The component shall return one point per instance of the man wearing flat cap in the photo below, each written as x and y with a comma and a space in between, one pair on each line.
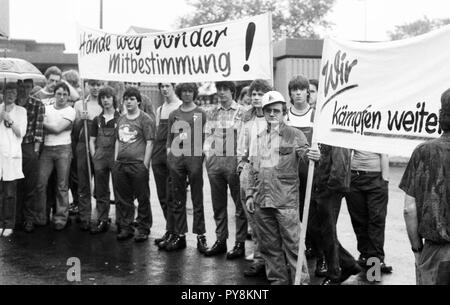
426, 184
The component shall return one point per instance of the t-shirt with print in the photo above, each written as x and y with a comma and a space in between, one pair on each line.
54, 115
133, 136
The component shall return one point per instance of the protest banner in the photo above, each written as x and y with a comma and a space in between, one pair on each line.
236, 50
382, 97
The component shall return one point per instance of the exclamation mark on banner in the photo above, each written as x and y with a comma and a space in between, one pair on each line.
249, 43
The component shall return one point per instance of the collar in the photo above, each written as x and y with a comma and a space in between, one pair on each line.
233, 106
116, 113
279, 128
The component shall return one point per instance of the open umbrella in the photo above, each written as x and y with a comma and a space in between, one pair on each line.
18, 69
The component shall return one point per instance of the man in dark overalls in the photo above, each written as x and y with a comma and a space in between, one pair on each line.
101, 144
159, 158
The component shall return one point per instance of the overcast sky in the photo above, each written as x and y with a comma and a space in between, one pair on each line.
55, 20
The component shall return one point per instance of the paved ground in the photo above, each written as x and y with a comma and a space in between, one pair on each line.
41, 257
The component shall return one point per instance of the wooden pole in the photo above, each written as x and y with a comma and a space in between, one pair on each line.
304, 223
86, 138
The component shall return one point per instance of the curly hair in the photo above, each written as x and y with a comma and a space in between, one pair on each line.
186, 87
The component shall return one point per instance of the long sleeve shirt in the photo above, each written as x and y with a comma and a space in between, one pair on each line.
35, 118
273, 179
222, 130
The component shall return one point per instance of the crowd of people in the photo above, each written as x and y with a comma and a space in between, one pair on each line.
53, 141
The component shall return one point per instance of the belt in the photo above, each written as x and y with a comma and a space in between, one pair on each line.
360, 173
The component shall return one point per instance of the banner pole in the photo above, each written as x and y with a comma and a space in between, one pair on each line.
304, 223
86, 138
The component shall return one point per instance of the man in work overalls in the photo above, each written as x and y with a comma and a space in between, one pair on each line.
273, 190
101, 144
159, 158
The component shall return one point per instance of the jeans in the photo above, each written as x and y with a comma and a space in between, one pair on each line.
25, 210
222, 173
8, 204
131, 180
59, 158
183, 167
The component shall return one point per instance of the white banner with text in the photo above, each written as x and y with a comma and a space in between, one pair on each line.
382, 97
236, 50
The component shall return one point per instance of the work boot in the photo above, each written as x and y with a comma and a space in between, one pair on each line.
178, 242
201, 244
256, 269
238, 251
219, 247
164, 243
321, 267
164, 237
141, 237
124, 235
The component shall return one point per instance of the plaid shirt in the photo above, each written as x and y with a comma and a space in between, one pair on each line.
35, 126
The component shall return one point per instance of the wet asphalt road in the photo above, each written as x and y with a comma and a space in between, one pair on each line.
41, 257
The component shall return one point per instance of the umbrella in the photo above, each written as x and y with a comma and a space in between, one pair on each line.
18, 69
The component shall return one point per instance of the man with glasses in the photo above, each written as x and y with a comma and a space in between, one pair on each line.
56, 154
272, 193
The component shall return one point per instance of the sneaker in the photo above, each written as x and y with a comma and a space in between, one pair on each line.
7, 232
177, 243
28, 227
201, 243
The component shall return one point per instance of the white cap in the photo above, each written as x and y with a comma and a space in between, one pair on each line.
272, 97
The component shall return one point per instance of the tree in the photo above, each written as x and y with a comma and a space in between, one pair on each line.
417, 27
290, 18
